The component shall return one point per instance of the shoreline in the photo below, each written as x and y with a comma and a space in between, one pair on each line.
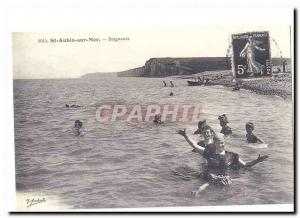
280, 85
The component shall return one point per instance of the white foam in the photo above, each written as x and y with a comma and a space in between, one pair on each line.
258, 146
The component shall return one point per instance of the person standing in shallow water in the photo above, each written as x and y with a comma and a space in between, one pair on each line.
251, 137
171, 83
226, 130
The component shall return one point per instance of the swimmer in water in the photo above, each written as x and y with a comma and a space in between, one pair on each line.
73, 106
165, 84
217, 156
208, 142
251, 138
226, 130
157, 119
171, 94
201, 125
172, 85
77, 127
218, 160
203, 131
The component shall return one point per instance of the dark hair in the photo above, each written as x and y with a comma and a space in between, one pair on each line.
78, 122
223, 118
157, 117
207, 128
250, 125
201, 124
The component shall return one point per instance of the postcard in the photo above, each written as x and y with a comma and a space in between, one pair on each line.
153, 117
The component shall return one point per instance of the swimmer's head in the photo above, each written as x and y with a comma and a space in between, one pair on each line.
223, 119
67, 105
78, 124
157, 117
201, 124
219, 142
207, 133
249, 127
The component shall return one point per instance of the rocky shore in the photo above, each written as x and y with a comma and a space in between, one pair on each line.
280, 84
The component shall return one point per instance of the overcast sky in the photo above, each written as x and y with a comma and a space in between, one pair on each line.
33, 59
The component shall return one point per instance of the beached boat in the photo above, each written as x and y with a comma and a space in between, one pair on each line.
194, 83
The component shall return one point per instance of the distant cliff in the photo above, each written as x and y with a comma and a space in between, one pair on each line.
161, 67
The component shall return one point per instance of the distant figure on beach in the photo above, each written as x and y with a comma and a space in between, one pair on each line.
206, 82
73, 106
172, 85
251, 138
236, 87
248, 52
77, 129
165, 84
278, 70
199, 79
171, 94
226, 130
157, 119
283, 66
218, 160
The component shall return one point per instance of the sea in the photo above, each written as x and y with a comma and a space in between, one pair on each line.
136, 165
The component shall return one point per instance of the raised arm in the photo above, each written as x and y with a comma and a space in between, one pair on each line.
254, 162
199, 148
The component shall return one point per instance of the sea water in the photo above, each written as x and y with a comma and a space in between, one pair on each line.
120, 164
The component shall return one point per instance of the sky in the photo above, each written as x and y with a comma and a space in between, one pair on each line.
36, 60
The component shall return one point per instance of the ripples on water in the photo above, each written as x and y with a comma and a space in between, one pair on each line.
130, 165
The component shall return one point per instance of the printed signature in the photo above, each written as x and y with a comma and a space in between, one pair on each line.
34, 201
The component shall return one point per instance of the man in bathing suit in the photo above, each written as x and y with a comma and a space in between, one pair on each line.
226, 130
251, 138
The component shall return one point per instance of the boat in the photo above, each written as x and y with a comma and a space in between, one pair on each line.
194, 83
